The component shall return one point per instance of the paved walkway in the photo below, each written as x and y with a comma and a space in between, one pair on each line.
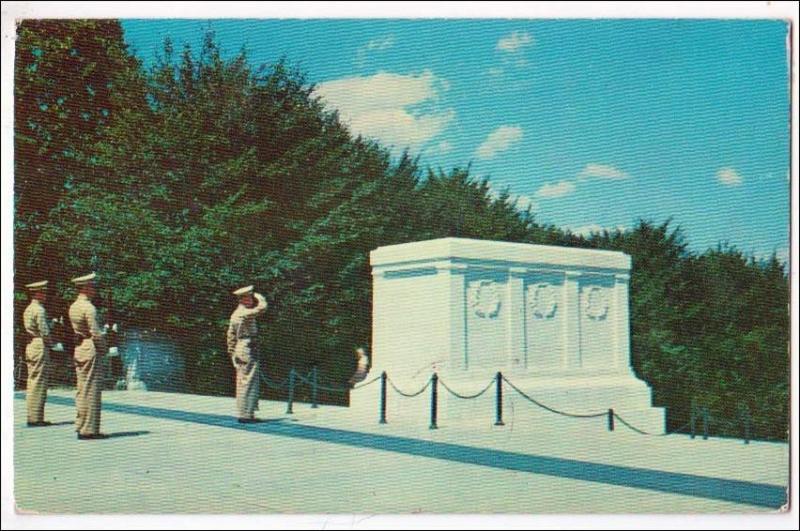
186, 453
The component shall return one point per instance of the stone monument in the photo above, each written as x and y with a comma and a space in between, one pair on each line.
554, 320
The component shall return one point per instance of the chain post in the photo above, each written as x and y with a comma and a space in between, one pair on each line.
499, 400
746, 419
290, 398
383, 398
314, 404
434, 399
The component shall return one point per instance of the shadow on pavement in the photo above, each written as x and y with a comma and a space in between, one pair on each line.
729, 490
61, 423
127, 434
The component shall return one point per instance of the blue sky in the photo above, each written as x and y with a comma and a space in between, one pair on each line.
595, 123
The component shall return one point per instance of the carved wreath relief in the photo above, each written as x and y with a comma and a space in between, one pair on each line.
543, 301
484, 298
596, 303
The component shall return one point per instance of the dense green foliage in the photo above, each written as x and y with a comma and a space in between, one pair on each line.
184, 181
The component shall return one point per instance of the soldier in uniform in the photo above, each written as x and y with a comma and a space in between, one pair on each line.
242, 335
90, 347
37, 353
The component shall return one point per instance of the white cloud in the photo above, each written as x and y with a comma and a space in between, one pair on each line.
590, 171
442, 148
515, 42
559, 189
382, 43
593, 228
525, 201
601, 171
729, 177
375, 45
379, 106
499, 140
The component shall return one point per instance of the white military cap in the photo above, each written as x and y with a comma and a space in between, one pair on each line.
243, 291
37, 286
85, 279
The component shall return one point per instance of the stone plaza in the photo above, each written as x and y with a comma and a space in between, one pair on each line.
181, 453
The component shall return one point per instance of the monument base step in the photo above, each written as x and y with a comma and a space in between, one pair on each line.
549, 401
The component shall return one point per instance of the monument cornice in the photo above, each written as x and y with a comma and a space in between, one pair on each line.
486, 253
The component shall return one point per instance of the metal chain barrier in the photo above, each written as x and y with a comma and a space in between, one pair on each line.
635, 429
331, 389
311, 380
266, 380
552, 410
678, 430
410, 395
466, 397
302, 378
314, 384
642, 432
364, 384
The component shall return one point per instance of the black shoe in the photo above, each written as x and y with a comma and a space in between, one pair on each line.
92, 436
40, 424
249, 421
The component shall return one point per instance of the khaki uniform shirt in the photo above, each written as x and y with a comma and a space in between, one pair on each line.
35, 321
243, 323
83, 316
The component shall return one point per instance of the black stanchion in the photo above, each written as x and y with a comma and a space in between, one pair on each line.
610, 420
693, 420
746, 419
434, 398
383, 398
290, 398
314, 404
705, 423
499, 401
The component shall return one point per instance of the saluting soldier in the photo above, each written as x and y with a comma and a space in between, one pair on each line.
90, 347
242, 337
37, 353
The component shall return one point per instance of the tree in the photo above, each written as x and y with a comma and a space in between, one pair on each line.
66, 73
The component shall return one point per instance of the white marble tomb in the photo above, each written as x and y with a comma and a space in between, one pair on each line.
554, 320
